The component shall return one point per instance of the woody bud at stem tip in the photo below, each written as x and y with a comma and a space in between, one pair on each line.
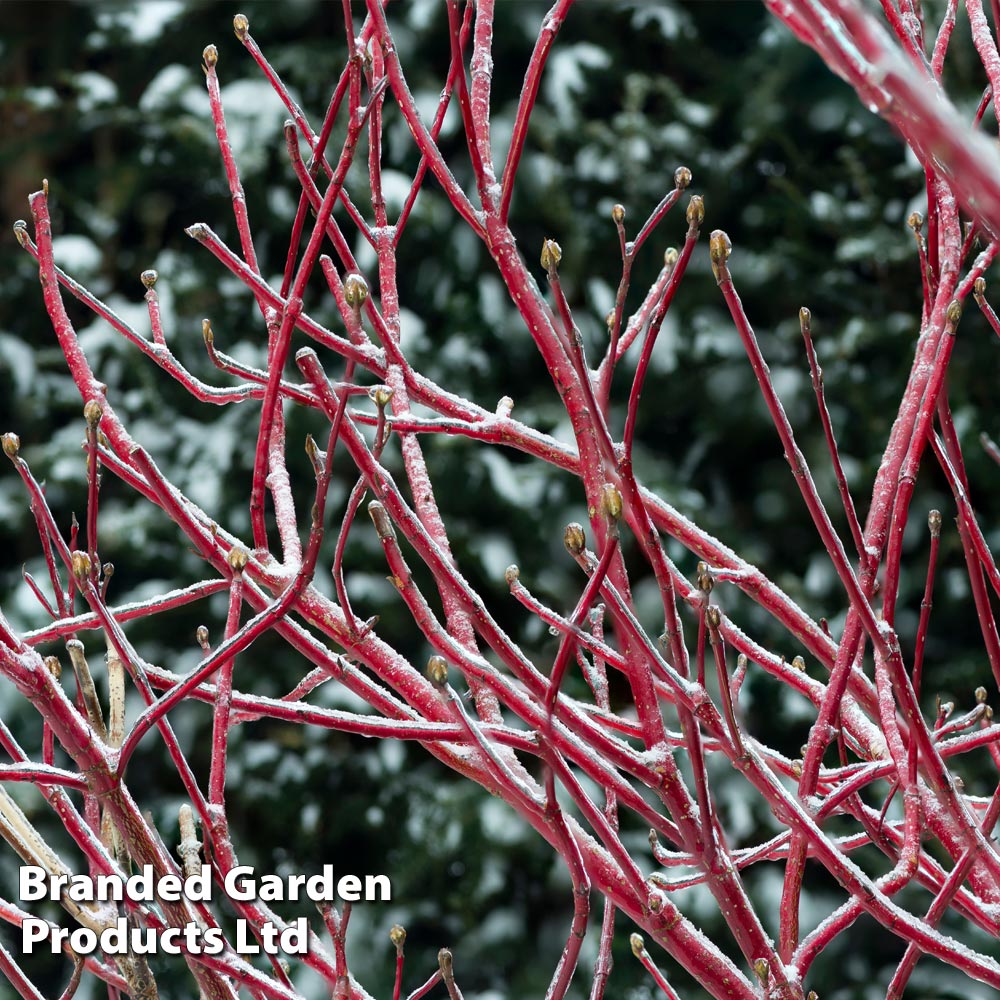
437, 670
92, 413
80, 563
574, 538
397, 935
241, 25
719, 249
696, 211
355, 291
611, 502
11, 444
383, 526
551, 255
238, 558
380, 395
682, 178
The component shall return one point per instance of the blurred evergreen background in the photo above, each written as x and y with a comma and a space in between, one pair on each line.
107, 101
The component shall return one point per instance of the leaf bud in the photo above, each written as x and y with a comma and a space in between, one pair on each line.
638, 944
446, 965
207, 333
241, 25
609, 321
618, 214
80, 564
813, 995
551, 255
981, 695
611, 502
954, 312
719, 249
574, 538
210, 55
108, 569
798, 663
512, 574
713, 615
915, 221
704, 578
934, 522
383, 525
148, 277
805, 320
945, 709
380, 395
11, 444
355, 291
670, 256
397, 935
53, 666
797, 768
92, 413
316, 456
696, 211
762, 970
201, 636
238, 558
21, 231
682, 178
